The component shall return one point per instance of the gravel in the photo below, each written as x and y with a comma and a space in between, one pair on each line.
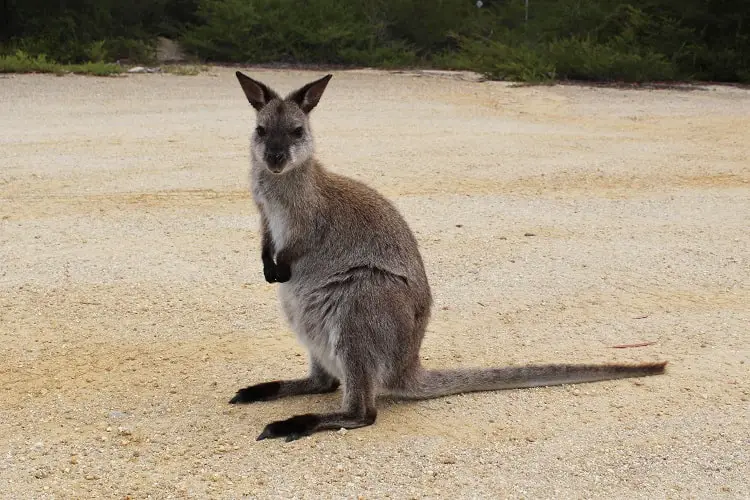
132, 303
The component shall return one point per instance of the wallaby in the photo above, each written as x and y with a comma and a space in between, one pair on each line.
352, 282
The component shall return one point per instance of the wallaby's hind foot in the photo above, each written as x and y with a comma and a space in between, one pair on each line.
268, 391
319, 382
304, 425
358, 408
265, 391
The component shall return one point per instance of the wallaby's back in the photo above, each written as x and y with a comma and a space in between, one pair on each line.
375, 232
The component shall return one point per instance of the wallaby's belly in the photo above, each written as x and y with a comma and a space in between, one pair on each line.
317, 330
369, 313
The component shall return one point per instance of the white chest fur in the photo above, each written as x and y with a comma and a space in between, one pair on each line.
276, 216
277, 219
277, 224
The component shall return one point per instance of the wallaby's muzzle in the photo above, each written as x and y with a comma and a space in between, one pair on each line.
275, 160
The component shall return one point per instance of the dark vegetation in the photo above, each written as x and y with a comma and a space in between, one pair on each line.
598, 40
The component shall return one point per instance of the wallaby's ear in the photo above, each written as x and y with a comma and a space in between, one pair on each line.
308, 96
256, 92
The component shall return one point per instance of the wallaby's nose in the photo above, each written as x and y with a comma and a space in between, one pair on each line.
275, 158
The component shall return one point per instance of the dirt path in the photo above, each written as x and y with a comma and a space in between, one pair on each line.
132, 303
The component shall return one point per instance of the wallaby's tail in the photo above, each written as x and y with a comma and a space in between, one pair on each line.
435, 383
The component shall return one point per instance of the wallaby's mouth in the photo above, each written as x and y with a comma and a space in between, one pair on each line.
276, 169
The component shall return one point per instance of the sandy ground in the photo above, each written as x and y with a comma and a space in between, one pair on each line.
555, 222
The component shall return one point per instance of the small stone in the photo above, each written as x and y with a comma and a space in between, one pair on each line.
343, 431
74, 460
576, 392
42, 472
38, 445
124, 431
530, 439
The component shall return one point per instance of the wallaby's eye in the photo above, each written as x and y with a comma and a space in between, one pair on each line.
298, 132
260, 131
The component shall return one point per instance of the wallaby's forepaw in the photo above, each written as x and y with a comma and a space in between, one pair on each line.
277, 273
283, 272
291, 428
258, 392
269, 272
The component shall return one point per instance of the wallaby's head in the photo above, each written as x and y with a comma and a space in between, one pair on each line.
282, 139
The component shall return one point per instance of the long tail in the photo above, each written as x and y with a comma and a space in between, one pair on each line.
435, 383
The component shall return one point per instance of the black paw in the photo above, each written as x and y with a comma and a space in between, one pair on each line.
283, 272
277, 273
291, 428
259, 392
269, 272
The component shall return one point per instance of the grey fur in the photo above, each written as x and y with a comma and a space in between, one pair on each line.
352, 281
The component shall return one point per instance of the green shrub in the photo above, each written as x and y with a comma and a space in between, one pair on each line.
259, 31
581, 39
135, 51
392, 55
21, 62
582, 59
92, 68
499, 61
431, 26
97, 51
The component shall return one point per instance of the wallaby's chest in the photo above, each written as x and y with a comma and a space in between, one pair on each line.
277, 216
278, 224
